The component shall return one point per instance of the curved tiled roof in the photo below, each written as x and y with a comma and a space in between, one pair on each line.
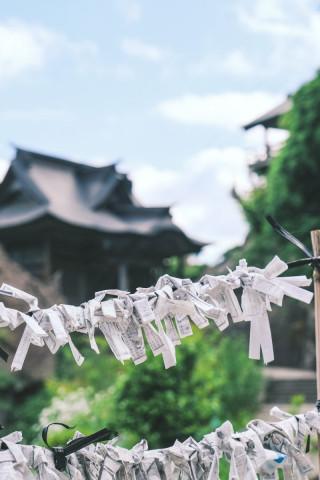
96, 198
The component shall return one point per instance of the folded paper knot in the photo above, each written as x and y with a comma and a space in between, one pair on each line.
261, 449
161, 315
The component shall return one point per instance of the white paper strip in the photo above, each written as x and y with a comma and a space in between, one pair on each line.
122, 317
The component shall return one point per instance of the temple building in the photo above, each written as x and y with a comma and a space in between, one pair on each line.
258, 162
84, 223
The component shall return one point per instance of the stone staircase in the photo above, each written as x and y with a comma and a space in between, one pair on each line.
283, 383
281, 391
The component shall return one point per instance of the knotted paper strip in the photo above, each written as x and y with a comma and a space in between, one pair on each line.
262, 448
163, 314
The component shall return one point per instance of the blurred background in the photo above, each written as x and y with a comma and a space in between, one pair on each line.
139, 138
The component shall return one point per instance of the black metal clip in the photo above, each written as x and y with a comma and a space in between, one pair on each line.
4, 355
311, 260
60, 453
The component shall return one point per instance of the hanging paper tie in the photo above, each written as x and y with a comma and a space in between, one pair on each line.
164, 313
262, 448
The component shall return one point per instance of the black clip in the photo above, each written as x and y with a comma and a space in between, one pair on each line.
308, 444
60, 453
311, 260
4, 355
308, 437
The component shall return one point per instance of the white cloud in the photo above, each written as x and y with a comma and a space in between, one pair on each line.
123, 72
25, 46
293, 18
200, 195
235, 62
293, 27
255, 137
4, 166
226, 110
130, 10
21, 47
40, 114
145, 51
289, 54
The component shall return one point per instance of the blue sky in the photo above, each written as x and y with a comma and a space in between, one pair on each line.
163, 86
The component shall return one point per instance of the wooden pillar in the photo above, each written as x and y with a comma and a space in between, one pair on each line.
82, 285
47, 265
180, 269
315, 238
123, 278
266, 143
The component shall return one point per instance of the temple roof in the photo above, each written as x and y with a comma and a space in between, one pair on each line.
95, 198
271, 118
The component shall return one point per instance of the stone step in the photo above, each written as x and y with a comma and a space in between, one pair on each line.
281, 391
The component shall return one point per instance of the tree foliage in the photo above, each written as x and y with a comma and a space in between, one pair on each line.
291, 193
213, 381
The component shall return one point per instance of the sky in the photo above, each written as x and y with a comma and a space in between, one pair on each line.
161, 87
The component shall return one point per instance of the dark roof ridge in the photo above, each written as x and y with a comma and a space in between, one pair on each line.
23, 156
139, 209
26, 183
271, 115
105, 192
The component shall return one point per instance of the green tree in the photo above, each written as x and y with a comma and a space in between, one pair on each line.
213, 381
291, 193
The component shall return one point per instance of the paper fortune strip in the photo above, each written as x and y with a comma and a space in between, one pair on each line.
262, 448
163, 314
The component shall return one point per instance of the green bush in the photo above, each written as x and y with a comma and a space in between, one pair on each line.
213, 381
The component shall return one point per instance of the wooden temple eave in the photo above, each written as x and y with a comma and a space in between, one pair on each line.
48, 245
